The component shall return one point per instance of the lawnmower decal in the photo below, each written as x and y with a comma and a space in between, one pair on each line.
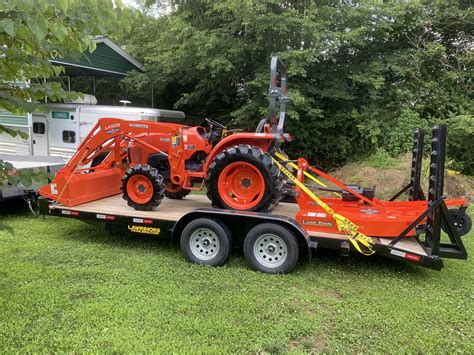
144, 230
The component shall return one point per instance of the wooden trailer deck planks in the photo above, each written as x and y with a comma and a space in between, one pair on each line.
168, 210
173, 210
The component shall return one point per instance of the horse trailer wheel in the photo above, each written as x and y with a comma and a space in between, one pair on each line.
206, 241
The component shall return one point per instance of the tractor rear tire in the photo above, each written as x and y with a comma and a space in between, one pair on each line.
244, 178
175, 192
143, 187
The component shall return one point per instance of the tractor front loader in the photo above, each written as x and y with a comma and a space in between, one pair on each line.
147, 160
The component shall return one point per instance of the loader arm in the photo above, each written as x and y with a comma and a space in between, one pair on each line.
78, 182
110, 134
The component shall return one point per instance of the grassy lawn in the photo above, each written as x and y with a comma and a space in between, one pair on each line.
69, 286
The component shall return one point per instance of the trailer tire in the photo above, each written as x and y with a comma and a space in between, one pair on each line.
463, 226
206, 241
271, 248
143, 187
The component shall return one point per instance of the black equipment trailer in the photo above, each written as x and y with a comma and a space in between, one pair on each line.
272, 242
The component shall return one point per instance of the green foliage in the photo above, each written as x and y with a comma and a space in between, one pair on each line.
33, 33
23, 177
461, 143
66, 286
381, 159
362, 75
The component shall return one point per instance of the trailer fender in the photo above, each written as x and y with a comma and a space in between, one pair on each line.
241, 218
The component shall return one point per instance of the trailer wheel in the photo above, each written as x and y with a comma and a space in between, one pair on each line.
206, 241
463, 226
271, 248
143, 187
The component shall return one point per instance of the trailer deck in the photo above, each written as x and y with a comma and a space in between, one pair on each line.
112, 208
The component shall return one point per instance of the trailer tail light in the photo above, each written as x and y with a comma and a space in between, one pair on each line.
106, 217
143, 221
412, 257
69, 213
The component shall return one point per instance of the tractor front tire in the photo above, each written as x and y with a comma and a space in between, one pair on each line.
143, 187
244, 178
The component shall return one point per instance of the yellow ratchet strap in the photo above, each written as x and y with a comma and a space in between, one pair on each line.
308, 175
343, 224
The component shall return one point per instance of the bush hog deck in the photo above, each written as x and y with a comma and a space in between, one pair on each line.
246, 175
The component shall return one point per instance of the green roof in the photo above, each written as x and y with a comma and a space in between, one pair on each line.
107, 60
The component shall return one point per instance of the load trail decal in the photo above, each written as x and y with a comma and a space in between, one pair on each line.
318, 223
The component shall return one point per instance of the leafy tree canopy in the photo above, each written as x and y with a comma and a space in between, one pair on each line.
31, 34
34, 32
363, 75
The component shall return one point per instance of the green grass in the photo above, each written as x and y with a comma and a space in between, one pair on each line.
69, 286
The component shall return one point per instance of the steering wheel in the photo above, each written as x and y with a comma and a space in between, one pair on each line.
215, 123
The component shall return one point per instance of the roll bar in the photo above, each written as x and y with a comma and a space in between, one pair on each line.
277, 71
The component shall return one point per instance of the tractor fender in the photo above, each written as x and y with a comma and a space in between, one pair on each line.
240, 222
261, 140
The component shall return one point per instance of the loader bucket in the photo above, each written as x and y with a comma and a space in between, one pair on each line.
82, 188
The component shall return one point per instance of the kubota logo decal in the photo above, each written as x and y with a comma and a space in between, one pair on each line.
138, 125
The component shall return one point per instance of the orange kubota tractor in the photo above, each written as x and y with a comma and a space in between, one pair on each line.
147, 160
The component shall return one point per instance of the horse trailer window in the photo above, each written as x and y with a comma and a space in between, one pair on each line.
69, 137
39, 127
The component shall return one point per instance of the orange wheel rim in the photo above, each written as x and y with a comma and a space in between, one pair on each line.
140, 189
241, 185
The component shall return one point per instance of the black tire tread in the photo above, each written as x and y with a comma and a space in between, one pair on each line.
155, 178
184, 243
252, 154
177, 195
282, 231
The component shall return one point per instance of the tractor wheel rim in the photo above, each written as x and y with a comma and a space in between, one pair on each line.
140, 189
270, 250
204, 244
241, 185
